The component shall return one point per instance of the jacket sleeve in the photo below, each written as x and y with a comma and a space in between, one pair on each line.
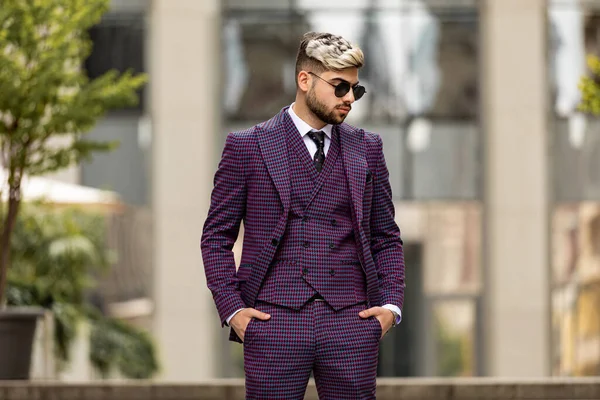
221, 228
386, 244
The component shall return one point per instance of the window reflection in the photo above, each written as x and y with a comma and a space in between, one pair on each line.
118, 43
442, 296
576, 289
420, 60
421, 76
574, 31
453, 323
453, 234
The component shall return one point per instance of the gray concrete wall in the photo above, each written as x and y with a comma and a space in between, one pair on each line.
405, 389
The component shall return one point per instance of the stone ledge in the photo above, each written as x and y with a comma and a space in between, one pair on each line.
387, 389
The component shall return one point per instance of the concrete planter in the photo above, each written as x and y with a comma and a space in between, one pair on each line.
17, 330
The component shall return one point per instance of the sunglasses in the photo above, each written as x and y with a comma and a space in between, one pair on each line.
342, 88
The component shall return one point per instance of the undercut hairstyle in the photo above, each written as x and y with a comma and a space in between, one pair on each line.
319, 52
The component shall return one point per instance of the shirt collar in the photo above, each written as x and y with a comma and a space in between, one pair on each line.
304, 128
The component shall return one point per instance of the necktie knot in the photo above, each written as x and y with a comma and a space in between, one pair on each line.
318, 138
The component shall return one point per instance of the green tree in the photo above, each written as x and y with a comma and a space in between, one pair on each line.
590, 87
45, 94
56, 253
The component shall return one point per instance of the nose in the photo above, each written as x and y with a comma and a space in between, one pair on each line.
349, 97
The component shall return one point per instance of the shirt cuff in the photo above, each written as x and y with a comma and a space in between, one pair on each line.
395, 309
232, 315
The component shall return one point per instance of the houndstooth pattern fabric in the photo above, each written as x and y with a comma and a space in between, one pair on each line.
340, 347
318, 252
252, 184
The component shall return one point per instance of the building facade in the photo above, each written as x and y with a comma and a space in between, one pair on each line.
496, 175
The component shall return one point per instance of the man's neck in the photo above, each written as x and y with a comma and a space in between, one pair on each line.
306, 115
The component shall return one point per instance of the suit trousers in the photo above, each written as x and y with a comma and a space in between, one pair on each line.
339, 348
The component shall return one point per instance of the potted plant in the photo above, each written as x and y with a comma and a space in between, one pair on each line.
47, 105
57, 254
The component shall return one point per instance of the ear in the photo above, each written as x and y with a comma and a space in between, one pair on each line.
303, 81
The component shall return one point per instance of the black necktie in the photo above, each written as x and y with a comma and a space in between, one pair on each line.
319, 139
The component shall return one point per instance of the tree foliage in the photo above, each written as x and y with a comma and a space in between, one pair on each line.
57, 257
47, 102
590, 87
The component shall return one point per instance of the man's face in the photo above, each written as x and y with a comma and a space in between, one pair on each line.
321, 99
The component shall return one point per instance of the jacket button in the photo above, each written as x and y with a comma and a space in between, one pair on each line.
331, 245
331, 272
304, 219
333, 222
274, 242
306, 245
304, 271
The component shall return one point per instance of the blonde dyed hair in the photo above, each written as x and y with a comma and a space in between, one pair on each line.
320, 51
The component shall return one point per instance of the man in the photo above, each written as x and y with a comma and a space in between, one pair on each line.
321, 278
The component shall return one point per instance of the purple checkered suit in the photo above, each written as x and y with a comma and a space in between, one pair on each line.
331, 233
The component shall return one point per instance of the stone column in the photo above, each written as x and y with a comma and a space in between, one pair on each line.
184, 84
516, 261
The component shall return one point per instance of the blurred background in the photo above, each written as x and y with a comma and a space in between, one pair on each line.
495, 174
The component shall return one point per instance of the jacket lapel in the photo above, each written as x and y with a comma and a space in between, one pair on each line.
355, 164
271, 137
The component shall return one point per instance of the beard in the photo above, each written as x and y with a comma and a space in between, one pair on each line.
321, 111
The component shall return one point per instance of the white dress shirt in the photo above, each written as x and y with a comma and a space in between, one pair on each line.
304, 129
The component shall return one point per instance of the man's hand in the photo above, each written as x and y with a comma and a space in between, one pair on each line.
383, 315
240, 321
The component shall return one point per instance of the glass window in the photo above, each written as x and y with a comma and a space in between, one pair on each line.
442, 253
421, 74
574, 29
118, 43
453, 326
126, 169
243, 5
453, 253
576, 150
576, 289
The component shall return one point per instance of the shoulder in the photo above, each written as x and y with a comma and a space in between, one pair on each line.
249, 135
244, 135
243, 140
371, 139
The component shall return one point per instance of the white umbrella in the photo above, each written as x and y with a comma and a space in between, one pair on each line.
60, 193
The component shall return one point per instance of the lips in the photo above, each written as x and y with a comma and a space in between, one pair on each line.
344, 109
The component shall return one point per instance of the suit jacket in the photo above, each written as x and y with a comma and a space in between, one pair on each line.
252, 185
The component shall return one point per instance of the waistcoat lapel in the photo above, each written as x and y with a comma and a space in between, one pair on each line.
328, 166
298, 148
